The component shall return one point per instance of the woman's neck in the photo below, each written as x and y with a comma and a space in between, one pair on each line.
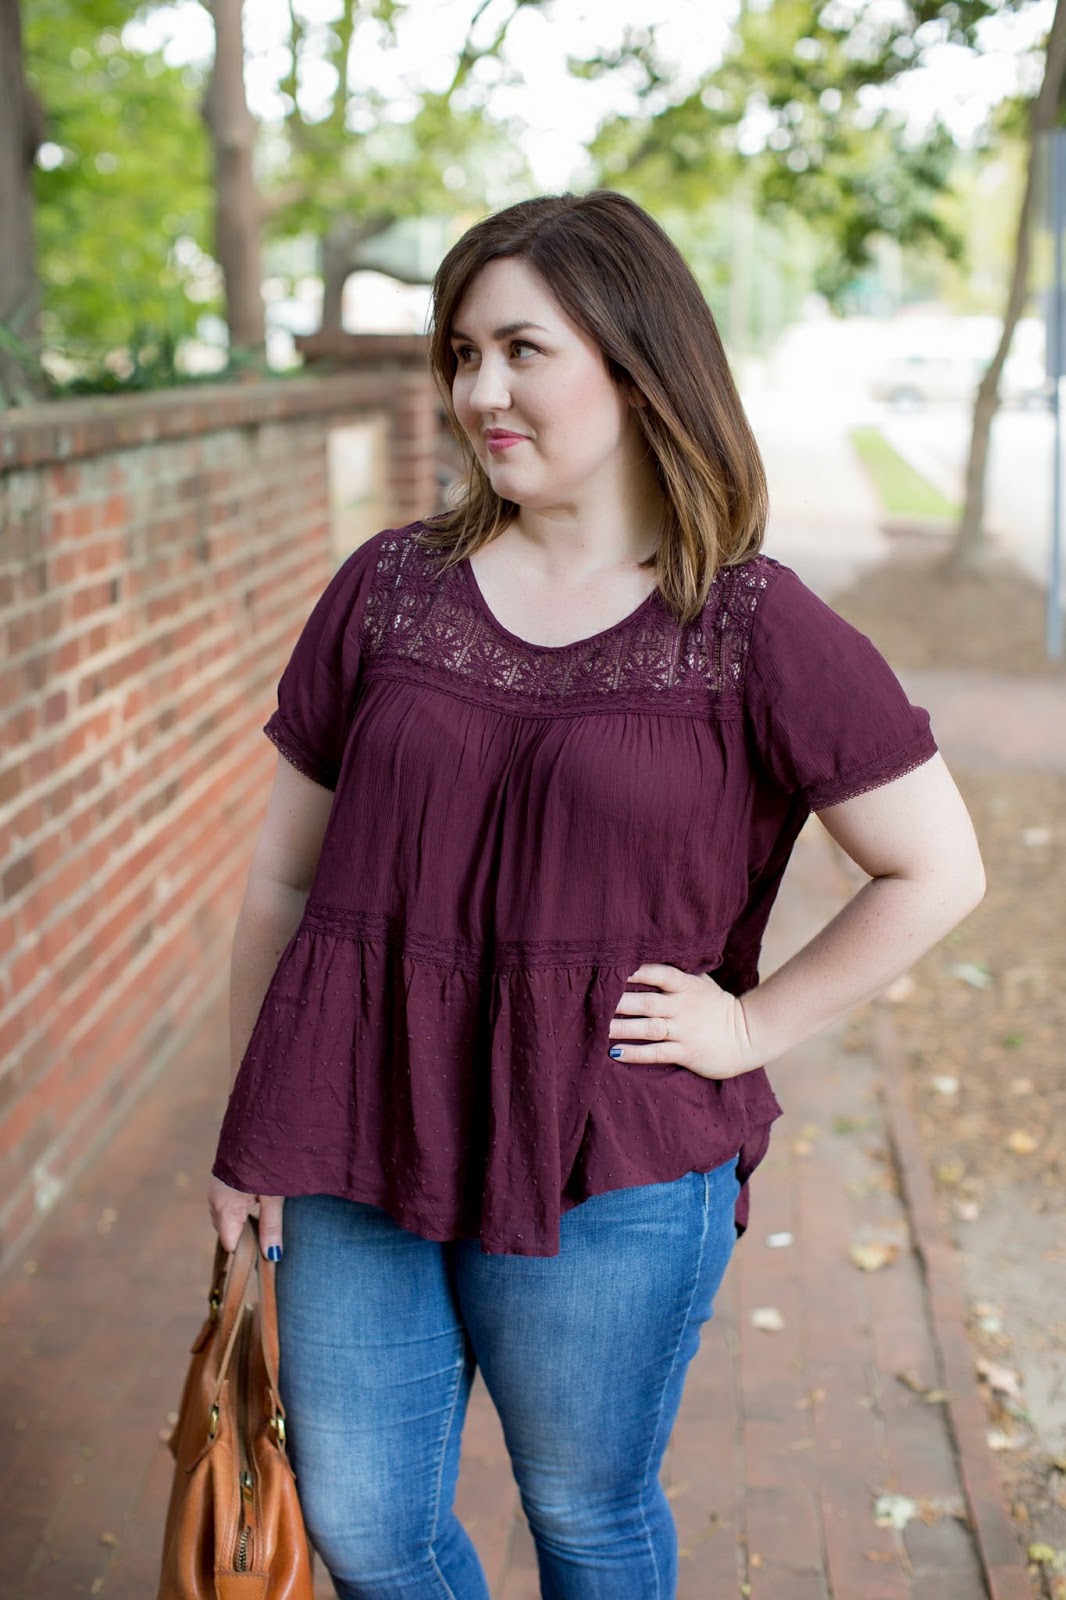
576, 541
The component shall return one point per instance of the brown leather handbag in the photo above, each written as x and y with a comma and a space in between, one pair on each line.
234, 1530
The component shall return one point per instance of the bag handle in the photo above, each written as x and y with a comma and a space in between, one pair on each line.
268, 1322
247, 1259
230, 1283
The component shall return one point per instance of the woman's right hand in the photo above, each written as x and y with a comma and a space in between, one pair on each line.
230, 1209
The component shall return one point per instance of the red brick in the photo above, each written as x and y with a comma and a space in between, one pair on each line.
17, 876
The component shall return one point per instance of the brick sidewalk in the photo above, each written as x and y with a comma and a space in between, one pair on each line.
784, 1440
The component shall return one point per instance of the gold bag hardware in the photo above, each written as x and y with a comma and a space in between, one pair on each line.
234, 1530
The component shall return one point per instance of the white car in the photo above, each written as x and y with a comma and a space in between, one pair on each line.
918, 378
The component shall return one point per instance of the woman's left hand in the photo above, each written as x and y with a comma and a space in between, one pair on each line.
690, 1022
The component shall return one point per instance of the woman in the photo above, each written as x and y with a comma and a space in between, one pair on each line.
544, 760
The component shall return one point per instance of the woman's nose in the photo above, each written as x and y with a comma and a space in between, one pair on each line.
490, 391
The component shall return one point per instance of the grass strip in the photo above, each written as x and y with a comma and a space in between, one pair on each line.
902, 490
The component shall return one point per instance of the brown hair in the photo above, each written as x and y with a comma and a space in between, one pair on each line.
619, 277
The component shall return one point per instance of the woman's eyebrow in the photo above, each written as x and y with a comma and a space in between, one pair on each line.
508, 331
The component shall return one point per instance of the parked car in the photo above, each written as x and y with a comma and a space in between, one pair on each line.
917, 379
940, 361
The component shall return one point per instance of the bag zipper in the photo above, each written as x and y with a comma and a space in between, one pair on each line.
244, 1552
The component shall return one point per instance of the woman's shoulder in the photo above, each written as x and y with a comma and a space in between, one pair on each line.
772, 595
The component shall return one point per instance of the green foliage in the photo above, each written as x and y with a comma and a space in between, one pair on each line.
373, 162
788, 115
151, 362
123, 220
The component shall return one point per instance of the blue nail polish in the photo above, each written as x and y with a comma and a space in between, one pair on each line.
274, 1252
615, 1051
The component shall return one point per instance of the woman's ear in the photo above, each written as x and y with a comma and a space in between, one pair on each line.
635, 396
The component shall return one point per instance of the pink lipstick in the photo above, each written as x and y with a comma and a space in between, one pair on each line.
498, 439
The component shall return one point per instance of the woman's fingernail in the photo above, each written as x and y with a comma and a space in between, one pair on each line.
615, 1051
274, 1252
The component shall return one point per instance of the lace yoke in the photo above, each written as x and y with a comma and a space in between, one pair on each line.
421, 615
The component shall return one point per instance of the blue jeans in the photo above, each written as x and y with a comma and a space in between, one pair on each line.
584, 1355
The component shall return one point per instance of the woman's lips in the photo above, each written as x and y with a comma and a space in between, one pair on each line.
498, 440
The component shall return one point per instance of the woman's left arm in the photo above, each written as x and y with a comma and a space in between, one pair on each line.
915, 839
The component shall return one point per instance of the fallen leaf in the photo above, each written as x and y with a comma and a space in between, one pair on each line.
967, 1210
933, 1508
768, 1319
931, 1396
945, 1084
894, 1511
879, 1555
110, 1539
1042, 1554
950, 1173
989, 1317
1001, 1380
755, 1561
872, 1257
1033, 838
998, 1440
969, 972
1021, 1143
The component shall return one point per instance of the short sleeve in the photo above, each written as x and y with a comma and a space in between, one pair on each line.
316, 694
827, 715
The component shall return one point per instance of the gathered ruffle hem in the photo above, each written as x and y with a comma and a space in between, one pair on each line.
466, 1103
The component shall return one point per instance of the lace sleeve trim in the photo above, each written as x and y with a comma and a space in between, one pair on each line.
875, 776
297, 754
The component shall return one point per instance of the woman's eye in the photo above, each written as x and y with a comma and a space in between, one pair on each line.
464, 354
521, 348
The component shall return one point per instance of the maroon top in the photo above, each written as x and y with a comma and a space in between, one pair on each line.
516, 828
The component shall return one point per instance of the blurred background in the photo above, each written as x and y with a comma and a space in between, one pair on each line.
194, 188
218, 225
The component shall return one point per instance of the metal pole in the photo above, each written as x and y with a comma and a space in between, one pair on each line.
1053, 618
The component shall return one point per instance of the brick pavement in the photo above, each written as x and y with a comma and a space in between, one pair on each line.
784, 1439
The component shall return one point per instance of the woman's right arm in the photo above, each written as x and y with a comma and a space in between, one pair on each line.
283, 865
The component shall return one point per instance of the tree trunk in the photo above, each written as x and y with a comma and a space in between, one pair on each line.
336, 259
20, 134
969, 546
238, 212
340, 254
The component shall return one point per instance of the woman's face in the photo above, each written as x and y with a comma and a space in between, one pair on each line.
546, 420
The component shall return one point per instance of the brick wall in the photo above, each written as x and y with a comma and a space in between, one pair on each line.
158, 556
